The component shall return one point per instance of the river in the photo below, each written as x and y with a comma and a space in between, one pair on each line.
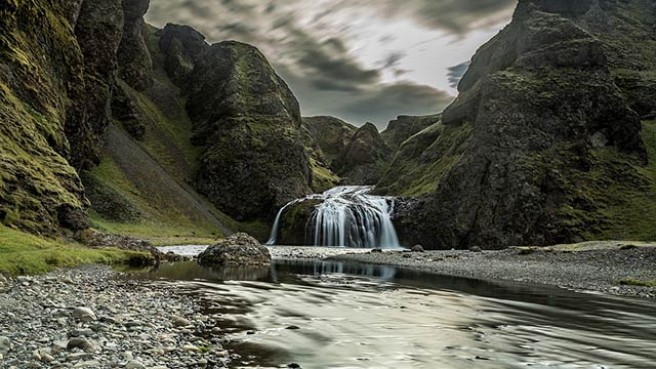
335, 315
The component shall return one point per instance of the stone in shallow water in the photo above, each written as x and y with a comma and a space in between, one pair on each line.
238, 249
417, 248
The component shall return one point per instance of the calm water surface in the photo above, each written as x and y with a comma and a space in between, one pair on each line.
357, 316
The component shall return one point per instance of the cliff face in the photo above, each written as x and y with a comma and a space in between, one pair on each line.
245, 118
45, 131
78, 78
542, 146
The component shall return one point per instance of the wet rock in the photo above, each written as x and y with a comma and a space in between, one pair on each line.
293, 365
475, 249
293, 327
238, 249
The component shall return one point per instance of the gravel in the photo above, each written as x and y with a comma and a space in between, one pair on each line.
90, 317
590, 270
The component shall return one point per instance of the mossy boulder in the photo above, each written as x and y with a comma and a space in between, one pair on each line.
540, 147
295, 220
239, 249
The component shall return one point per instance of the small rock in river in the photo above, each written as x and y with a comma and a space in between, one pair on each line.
407, 256
293, 327
293, 365
475, 249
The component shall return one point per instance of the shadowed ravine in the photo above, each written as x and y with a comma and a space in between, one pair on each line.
355, 316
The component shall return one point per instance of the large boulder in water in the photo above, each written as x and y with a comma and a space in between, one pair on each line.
238, 249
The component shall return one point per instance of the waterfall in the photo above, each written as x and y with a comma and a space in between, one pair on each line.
346, 216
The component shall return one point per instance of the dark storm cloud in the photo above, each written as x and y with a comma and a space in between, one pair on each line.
378, 105
456, 72
460, 15
384, 104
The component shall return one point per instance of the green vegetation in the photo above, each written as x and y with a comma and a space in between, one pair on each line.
630, 205
155, 220
425, 158
24, 253
637, 283
322, 178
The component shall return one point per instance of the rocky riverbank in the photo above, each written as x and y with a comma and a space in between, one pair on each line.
607, 267
91, 317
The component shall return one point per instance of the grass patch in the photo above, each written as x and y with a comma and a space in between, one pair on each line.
22, 253
637, 283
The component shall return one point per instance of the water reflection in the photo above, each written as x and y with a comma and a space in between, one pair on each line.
361, 316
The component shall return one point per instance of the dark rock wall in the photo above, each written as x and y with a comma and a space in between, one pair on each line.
530, 151
246, 119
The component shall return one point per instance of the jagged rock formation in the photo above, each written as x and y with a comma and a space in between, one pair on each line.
363, 160
355, 155
247, 120
541, 146
405, 127
72, 71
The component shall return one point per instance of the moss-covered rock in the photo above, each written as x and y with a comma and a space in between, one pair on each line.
540, 147
135, 64
364, 159
43, 131
294, 223
245, 118
405, 127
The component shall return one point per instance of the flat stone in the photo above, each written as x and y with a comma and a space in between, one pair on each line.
135, 365
180, 322
84, 314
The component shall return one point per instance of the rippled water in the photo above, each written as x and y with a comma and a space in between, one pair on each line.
355, 316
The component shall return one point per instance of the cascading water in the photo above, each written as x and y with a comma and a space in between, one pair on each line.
346, 216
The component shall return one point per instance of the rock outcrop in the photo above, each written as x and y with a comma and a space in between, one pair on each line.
237, 250
364, 159
136, 65
44, 133
246, 119
541, 146
405, 127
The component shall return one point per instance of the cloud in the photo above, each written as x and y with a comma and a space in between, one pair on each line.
318, 47
457, 72
378, 104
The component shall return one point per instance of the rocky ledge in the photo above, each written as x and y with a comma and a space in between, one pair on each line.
93, 318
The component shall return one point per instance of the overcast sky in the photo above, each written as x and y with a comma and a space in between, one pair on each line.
359, 60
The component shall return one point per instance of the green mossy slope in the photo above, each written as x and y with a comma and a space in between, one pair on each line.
23, 253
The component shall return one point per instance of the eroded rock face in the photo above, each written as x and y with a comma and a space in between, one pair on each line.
247, 120
239, 249
363, 160
520, 156
136, 66
331, 135
404, 127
